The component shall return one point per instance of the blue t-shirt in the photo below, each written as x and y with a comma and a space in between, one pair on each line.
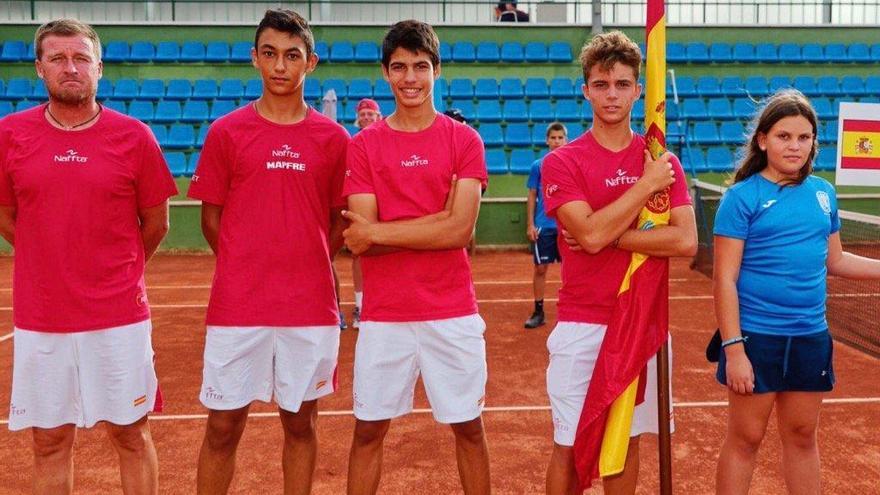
542, 221
781, 282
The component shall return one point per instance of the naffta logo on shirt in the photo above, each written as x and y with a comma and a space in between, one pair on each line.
71, 156
285, 152
414, 161
620, 179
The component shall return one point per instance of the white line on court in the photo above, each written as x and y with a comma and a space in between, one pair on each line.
683, 405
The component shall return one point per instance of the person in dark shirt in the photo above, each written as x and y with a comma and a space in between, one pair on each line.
507, 12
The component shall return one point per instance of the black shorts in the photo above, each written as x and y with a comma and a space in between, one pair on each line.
787, 364
545, 250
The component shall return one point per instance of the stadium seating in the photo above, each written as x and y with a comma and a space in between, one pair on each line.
698, 53
561, 87
219, 109
496, 161
719, 109
517, 136
487, 52
366, 52
536, 88
141, 110
192, 162
205, 89
676, 53
568, 111
835, 53
142, 52
125, 89
510, 88
192, 51
766, 53
322, 50
515, 111
152, 89
705, 133
790, 53
559, 52
463, 51
813, 53
485, 88
541, 111
492, 135
231, 89
167, 52
217, 52
240, 52
195, 111
488, 111
512, 52
360, 88
13, 51
167, 112
176, 163
521, 161
341, 52
535, 52
39, 92
721, 53
115, 51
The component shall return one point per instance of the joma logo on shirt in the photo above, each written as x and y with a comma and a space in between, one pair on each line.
71, 157
413, 161
620, 179
285, 152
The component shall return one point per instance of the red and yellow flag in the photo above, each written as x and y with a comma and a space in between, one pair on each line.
639, 325
860, 146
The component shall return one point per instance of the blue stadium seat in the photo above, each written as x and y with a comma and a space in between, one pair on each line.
220, 108
311, 89
337, 85
167, 112
698, 53
203, 133
562, 88
721, 53
13, 51
779, 82
512, 51
806, 85
536, 88
152, 89
217, 52
125, 89
732, 133
859, 53
790, 53
116, 51
719, 109
463, 51
836, 53
638, 110
744, 53
105, 89
360, 88
466, 106
241, 52
487, 52
492, 135
756, 86
382, 90
574, 131
705, 133
167, 52
160, 132
195, 111
29, 55
676, 53
535, 52
489, 111
541, 111
176, 161
872, 85
827, 86
117, 105
253, 89
719, 159
485, 88
141, 110
230, 89
559, 52
824, 108
322, 50
694, 109
366, 51
732, 86
445, 52
568, 111
693, 160
441, 88
709, 86
515, 111
205, 89
521, 161
142, 52
766, 53
496, 161
852, 86
685, 85
826, 161
341, 52
813, 53
539, 136
192, 162
24, 105
587, 111
6, 108
672, 110
461, 88
675, 134
352, 129
518, 135
743, 108
39, 92
192, 51
387, 107
181, 136
829, 132
510, 88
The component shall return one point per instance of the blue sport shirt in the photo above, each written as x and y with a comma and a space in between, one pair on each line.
542, 221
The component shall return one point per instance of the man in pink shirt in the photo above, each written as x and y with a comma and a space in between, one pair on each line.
595, 187
270, 181
413, 185
84, 199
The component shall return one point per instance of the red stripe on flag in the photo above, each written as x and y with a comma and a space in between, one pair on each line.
860, 163
655, 13
861, 125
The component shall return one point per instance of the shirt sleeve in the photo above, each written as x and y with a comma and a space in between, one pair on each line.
678, 193
7, 192
534, 181
560, 185
358, 179
471, 159
155, 184
337, 180
213, 174
733, 217
835, 216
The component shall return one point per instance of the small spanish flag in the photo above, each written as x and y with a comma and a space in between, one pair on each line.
860, 145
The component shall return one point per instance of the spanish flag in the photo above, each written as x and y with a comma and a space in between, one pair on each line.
860, 146
639, 324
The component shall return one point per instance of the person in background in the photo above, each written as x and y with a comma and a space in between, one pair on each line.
507, 12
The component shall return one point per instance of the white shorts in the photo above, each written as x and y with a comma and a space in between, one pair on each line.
82, 378
450, 354
244, 364
574, 349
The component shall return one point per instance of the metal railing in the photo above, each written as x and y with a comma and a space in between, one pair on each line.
459, 12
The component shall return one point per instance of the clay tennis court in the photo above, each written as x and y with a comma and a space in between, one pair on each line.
419, 456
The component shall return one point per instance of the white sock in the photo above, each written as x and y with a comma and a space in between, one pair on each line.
358, 299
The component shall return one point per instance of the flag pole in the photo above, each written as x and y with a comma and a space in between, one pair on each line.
664, 437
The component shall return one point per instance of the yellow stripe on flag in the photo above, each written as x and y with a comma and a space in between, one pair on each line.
857, 144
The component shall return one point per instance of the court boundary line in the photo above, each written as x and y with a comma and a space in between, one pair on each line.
494, 409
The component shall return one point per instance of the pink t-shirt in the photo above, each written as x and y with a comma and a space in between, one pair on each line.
79, 256
410, 174
584, 170
276, 184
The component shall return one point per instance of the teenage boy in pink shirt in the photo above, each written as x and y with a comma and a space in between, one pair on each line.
413, 186
84, 199
595, 187
270, 181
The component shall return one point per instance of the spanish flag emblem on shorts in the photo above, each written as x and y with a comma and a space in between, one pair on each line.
860, 145
140, 400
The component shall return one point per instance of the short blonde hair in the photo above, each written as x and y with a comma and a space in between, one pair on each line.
66, 27
607, 49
